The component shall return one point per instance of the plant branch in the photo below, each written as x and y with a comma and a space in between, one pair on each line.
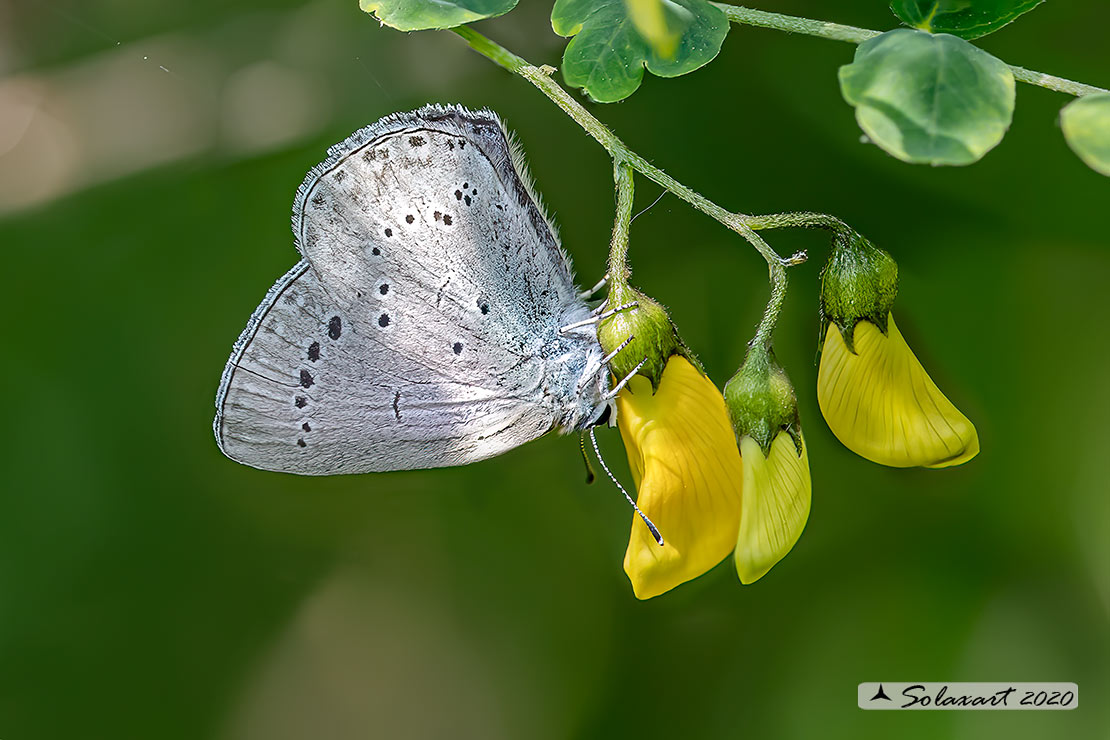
851, 34
625, 161
618, 150
800, 219
777, 274
796, 24
491, 50
619, 271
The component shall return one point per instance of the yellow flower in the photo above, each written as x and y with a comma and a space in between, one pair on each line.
687, 470
775, 504
881, 404
763, 410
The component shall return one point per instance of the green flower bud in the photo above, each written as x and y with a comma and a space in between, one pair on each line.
761, 401
859, 282
654, 336
776, 487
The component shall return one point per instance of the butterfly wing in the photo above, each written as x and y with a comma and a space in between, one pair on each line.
440, 201
305, 392
398, 343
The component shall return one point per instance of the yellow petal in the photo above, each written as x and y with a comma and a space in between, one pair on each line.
882, 405
775, 504
687, 470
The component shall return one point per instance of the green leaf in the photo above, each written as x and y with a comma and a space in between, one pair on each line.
1086, 124
421, 15
607, 55
927, 98
968, 19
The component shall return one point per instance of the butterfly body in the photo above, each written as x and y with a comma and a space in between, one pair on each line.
424, 326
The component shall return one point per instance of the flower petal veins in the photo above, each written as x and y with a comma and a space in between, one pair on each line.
775, 506
881, 404
687, 469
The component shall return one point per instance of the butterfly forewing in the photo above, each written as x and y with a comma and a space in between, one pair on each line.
439, 200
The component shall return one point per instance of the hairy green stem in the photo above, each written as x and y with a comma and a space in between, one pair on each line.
619, 271
1052, 82
738, 222
795, 24
800, 219
618, 150
625, 160
851, 34
777, 273
491, 50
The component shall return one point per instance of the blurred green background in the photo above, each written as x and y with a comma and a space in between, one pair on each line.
150, 588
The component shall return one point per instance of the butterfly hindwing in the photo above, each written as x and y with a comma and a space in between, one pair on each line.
307, 392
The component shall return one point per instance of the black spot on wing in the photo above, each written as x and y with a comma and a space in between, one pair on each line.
300, 402
314, 351
306, 379
383, 320
335, 327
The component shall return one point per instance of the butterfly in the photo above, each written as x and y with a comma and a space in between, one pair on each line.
432, 321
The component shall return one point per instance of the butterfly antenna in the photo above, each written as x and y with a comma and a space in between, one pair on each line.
651, 527
586, 459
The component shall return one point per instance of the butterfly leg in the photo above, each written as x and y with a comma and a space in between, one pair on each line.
597, 319
587, 294
602, 365
617, 388
608, 358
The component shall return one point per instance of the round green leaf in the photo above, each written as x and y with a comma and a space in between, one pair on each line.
1086, 124
421, 15
929, 99
607, 55
968, 19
